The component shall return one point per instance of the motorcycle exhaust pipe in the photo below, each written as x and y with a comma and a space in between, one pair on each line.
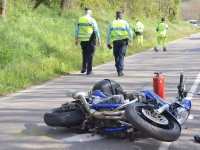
101, 115
79, 95
71, 93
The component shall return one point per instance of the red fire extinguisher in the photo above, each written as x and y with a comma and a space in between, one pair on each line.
159, 85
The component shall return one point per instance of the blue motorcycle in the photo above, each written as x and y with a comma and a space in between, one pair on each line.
107, 108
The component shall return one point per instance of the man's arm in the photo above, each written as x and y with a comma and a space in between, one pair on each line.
130, 33
108, 35
96, 31
76, 34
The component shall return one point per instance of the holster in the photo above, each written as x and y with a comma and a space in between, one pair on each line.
126, 40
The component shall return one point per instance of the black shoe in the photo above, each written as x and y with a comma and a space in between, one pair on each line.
155, 49
120, 73
89, 73
83, 70
164, 49
197, 138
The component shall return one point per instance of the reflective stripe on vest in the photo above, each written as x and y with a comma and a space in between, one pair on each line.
85, 28
118, 30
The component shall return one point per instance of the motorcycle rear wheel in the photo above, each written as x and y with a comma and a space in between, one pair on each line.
164, 132
64, 119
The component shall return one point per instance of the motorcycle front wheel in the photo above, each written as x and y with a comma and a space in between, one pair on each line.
64, 119
162, 127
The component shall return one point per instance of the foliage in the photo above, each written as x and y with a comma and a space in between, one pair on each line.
136, 8
38, 46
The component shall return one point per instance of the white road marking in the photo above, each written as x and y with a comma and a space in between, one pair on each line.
24, 91
83, 138
194, 87
165, 145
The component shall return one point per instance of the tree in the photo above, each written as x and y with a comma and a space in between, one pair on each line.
37, 3
62, 7
3, 4
62, 4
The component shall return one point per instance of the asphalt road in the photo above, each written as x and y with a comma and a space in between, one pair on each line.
21, 113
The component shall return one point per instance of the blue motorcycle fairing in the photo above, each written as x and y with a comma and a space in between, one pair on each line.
151, 95
187, 104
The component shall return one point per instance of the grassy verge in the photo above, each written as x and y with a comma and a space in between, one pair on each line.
38, 46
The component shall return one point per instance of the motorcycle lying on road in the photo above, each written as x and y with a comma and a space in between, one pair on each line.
107, 108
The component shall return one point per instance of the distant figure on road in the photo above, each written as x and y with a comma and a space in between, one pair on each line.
161, 31
119, 33
86, 31
139, 28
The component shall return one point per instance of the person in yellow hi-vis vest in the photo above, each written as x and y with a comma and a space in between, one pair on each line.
139, 28
161, 32
86, 31
119, 34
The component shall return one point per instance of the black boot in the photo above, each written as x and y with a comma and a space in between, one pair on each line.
83, 70
155, 49
120, 73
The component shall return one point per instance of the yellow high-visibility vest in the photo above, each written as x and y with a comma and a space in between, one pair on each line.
139, 27
162, 29
118, 30
85, 28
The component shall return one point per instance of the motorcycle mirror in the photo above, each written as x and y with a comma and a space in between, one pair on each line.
181, 77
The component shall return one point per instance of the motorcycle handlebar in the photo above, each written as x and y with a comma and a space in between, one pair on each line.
162, 109
198, 93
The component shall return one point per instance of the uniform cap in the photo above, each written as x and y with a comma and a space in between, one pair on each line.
119, 12
87, 8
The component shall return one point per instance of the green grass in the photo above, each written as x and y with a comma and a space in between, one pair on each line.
38, 46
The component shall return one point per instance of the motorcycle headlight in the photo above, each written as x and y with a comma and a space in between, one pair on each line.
181, 114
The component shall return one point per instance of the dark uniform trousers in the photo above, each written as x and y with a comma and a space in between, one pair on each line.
88, 48
119, 51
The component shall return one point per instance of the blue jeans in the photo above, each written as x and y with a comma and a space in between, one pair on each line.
119, 51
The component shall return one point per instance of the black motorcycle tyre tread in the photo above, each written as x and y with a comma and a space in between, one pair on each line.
168, 135
64, 119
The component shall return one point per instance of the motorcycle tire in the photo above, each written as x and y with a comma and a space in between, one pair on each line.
64, 119
169, 133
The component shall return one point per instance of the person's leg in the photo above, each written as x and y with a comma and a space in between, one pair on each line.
157, 43
141, 39
138, 39
122, 53
116, 54
164, 44
90, 54
84, 56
